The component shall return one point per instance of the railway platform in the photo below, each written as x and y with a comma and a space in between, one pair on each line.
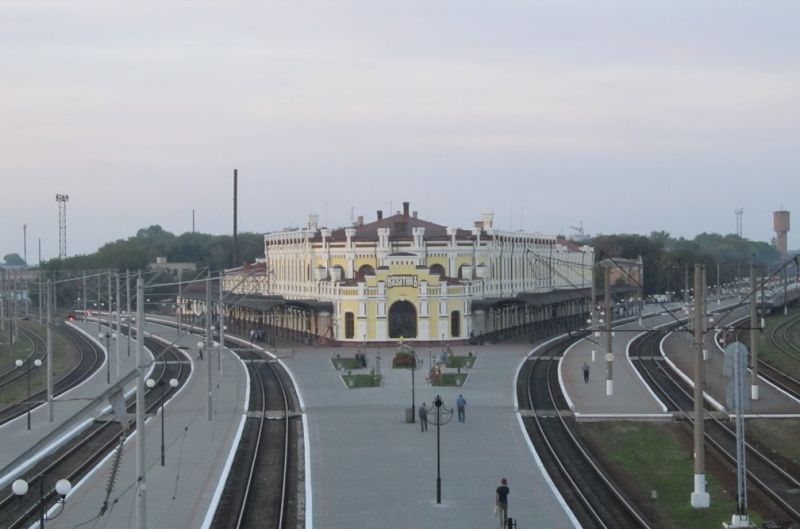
198, 451
630, 398
772, 402
370, 468
16, 440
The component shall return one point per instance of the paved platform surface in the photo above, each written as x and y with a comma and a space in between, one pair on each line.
630, 396
181, 492
771, 401
369, 468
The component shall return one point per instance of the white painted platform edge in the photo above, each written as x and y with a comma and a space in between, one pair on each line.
226, 469
524, 433
309, 512
58, 443
525, 359
309, 506
624, 415
561, 376
639, 375
683, 375
780, 390
128, 440
575, 523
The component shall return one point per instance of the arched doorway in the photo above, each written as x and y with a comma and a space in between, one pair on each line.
402, 320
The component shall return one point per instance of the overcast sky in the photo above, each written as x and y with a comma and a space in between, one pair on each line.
630, 117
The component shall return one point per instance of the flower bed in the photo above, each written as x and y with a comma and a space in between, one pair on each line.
460, 361
362, 381
346, 363
404, 360
448, 379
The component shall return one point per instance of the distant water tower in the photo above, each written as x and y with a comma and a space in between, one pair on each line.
780, 221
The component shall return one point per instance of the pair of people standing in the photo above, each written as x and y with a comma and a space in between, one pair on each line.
422, 413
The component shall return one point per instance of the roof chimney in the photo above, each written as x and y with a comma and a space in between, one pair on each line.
380, 214
405, 209
414, 214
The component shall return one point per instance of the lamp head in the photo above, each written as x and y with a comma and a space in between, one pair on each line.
63, 486
173, 382
150, 383
37, 363
20, 487
18, 362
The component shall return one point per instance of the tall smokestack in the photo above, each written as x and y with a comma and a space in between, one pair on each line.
235, 215
380, 214
405, 209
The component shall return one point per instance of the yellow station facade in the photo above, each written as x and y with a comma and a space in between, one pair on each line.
404, 277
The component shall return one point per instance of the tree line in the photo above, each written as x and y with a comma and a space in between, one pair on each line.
664, 258
208, 252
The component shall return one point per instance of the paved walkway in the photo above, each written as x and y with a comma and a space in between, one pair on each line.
631, 396
369, 468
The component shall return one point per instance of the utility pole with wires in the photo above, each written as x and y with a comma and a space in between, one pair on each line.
754, 329
141, 462
208, 344
700, 498
609, 336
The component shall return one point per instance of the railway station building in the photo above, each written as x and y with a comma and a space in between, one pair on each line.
400, 276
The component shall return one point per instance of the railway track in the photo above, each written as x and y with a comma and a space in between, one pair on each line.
91, 358
38, 350
766, 370
260, 488
780, 339
85, 450
593, 497
775, 482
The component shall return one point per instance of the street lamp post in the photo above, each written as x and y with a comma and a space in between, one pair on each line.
440, 411
36, 363
173, 383
108, 336
63, 486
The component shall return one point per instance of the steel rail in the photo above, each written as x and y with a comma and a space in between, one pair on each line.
559, 458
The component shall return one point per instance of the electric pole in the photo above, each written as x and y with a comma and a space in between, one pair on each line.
700, 498
609, 340
753, 332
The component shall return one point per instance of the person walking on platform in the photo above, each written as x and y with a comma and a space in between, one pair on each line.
423, 418
501, 501
461, 404
585, 373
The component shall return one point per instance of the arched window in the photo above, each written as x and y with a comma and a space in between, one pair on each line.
437, 270
455, 324
402, 320
349, 325
364, 270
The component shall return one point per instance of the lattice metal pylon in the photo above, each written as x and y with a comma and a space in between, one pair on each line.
62, 225
738, 212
